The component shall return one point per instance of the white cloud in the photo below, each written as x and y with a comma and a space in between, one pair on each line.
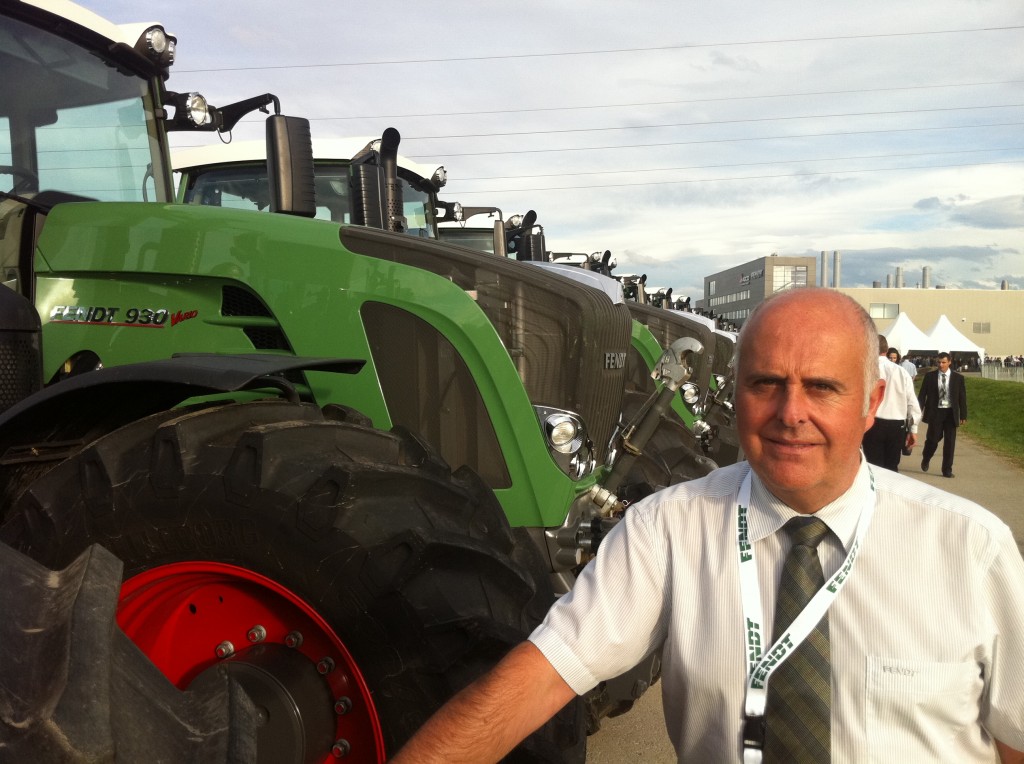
868, 170
1004, 212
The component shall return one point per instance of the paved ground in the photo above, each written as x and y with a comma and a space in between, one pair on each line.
991, 481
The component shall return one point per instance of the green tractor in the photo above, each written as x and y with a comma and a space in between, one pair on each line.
705, 403
344, 468
235, 175
694, 439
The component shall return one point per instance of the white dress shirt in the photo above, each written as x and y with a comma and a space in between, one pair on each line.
927, 637
899, 401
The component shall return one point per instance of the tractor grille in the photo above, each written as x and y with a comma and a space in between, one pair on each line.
568, 344
19, 367
266, 338
668, 326
237, 302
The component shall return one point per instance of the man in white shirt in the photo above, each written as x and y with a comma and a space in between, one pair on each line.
923, 642
911, 369
895, 426
910, 366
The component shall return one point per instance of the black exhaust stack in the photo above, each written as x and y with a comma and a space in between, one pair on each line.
393, 202
376, 190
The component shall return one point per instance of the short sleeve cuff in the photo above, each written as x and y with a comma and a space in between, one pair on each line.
562, 658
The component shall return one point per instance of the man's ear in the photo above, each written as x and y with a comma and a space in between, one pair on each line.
874, 401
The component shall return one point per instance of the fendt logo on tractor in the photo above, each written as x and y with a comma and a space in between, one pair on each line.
615, 360
116, 316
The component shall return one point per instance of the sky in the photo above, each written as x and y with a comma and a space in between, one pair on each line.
685, 137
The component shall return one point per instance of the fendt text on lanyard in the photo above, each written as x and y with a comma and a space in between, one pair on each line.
761, 664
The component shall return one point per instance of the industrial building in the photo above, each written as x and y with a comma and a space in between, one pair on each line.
731, 294
991, 318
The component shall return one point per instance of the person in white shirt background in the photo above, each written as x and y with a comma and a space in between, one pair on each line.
895, 426
906, 363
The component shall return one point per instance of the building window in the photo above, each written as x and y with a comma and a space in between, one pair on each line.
788, 277
884, 309
982, 327
711, 286
727, 298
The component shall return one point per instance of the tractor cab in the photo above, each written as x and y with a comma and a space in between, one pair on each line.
519, 237
348, 187
86, 129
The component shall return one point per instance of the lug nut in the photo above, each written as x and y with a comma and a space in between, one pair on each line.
340, 748
256, 634
342, 705
293, 639
325, 665
224, 650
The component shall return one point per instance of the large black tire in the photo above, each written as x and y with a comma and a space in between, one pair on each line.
415, 568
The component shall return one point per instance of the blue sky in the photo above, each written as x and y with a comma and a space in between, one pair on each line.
685, 137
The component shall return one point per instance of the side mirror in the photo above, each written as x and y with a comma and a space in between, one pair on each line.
290, 166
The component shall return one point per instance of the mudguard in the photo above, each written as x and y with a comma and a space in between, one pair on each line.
118, 395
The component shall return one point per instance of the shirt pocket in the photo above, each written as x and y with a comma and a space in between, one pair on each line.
921, 711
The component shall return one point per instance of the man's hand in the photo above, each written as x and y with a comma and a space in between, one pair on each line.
489, 718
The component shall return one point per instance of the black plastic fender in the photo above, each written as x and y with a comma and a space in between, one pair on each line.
167, 382
50, 425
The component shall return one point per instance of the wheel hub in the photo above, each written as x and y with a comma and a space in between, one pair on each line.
294, 707
195, 618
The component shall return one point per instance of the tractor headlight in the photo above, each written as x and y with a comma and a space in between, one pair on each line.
567, 440
563, 434
197, 110
439, 178
158, 46
156, 41
191, 112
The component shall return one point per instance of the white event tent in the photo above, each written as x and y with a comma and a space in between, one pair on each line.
947, 338
904, 335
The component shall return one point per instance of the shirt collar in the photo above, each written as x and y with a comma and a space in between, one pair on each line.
768, 513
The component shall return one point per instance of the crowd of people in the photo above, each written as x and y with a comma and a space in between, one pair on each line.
965, 362
1008, 361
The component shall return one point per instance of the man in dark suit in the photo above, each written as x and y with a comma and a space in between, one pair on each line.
943, 399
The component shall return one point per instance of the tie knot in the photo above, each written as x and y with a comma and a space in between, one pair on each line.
806, 531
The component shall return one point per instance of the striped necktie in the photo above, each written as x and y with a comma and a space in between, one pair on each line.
942, 388
798, 710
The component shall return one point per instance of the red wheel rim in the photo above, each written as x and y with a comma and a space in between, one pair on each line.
184, 615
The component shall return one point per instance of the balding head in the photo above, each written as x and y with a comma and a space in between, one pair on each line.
807, 386
797, 303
